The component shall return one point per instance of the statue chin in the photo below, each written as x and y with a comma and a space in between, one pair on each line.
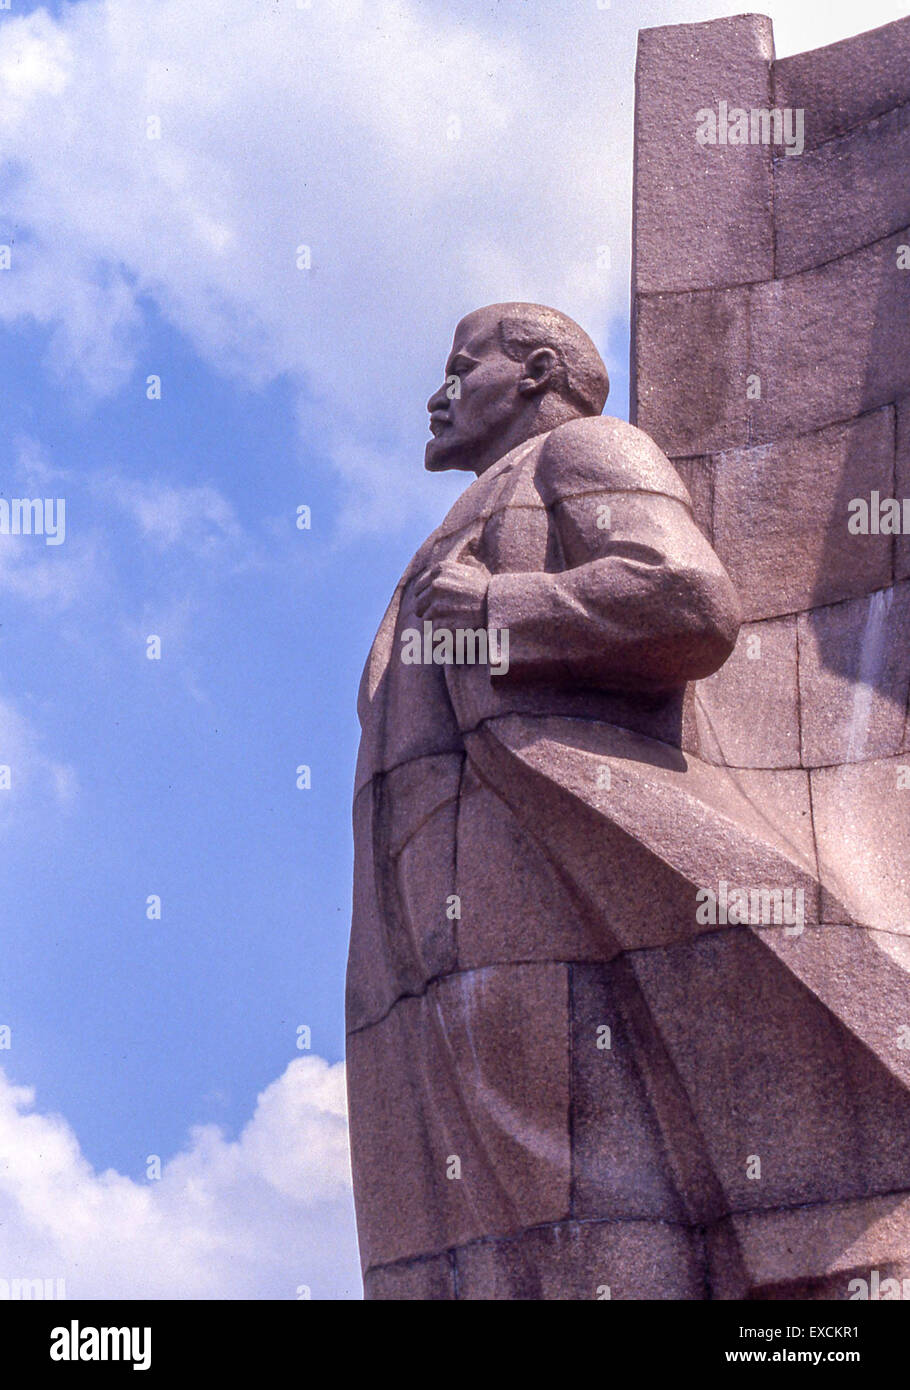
441, 460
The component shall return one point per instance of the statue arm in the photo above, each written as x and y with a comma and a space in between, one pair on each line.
642, 602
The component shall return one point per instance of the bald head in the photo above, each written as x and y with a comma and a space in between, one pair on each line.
515, 370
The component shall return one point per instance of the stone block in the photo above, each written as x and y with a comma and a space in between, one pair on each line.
571, 1261
691, 359
412, 792
848, 83
404, 874
847, 194
780, 798
422, 882
620, 1163
781, 514
747, 713
703, 213
788, 1104
474, 1070
514, 903
698, 476
854, 678
862, 827
418, 1280
814, 1251
861, 976
831, 343
371, 986
902, 486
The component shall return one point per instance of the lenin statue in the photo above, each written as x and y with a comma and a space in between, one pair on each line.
548, 982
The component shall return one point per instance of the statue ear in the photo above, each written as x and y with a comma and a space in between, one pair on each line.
542, 370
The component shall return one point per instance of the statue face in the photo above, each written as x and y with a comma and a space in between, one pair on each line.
471, 416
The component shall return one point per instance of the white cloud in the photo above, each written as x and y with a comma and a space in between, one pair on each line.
200, 519
255, 1218
50, 577
32, 773
431, 160
413, 152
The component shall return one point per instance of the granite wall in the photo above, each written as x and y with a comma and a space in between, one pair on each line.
771, 361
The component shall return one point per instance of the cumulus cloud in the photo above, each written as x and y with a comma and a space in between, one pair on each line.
266, 1216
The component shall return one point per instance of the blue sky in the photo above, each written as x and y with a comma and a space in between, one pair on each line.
329, 126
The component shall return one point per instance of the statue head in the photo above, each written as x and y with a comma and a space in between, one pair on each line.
515, 370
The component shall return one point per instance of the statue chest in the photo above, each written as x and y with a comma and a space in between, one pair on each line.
500, 521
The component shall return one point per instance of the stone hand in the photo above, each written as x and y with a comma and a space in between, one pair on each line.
454, 592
